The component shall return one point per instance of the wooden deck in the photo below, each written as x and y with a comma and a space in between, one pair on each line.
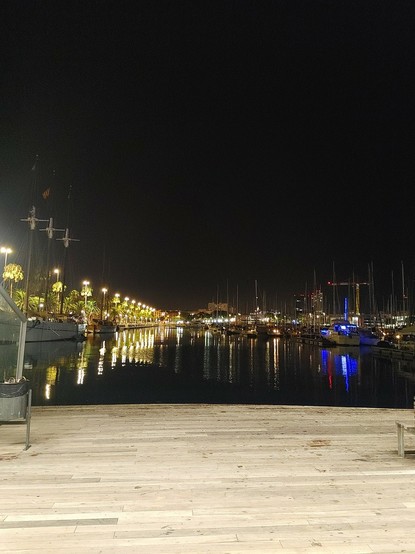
168, 479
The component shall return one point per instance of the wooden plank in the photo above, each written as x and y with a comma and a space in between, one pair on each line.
206, 479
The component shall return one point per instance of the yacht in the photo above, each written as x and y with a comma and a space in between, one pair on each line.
341, 332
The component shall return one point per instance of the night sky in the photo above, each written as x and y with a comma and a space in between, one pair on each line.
206, 146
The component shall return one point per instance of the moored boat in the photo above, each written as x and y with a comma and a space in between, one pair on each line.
101, 326
268, 330
341, 333
405, 338
369, 336
46, 330
274, 331
251, 332
234, 330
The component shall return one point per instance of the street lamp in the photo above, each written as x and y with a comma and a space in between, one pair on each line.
85, 291
58, 292
6, 251
104, 291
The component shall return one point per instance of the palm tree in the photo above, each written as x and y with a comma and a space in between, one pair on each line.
73, 303
13, 273
20, 297
57, 291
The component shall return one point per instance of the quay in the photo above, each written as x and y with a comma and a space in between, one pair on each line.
207, 479
394, 353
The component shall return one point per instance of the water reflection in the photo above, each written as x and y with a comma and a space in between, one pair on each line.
344, 363
181, 365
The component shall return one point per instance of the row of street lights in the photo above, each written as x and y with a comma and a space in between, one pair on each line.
86, 290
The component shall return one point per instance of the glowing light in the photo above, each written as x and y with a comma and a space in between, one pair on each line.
85, 291
6, 251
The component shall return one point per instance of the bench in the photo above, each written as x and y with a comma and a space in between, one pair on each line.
401, 428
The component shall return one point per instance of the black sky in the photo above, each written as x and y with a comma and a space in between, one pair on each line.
211, 144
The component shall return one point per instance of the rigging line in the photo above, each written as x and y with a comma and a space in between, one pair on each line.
35, 170
68, 211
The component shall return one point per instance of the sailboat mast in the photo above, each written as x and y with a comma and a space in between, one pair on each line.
65, 244
32, 220
63, 280
32, 225
49, 230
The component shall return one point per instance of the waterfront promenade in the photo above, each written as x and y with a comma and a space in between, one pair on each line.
217, 479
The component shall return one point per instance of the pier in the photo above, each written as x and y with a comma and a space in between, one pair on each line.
394, 353
199, 479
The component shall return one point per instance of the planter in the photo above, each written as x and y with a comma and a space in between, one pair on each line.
13, 400
15, 404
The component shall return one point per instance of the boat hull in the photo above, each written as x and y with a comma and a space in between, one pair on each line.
343, 340
370, 336
46, 331
369, 340
98, 329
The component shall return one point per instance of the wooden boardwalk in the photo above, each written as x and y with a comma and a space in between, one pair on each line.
168, 479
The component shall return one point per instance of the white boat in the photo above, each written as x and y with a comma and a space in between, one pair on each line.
46, 330
341, 333
251, 332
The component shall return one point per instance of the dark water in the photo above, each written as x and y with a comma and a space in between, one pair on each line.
187, 366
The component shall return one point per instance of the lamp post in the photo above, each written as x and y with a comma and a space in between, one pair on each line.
104, 291
58, 292
85, 291
6, 251
126, 309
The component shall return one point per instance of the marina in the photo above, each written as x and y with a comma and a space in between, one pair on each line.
191, 365
207, 302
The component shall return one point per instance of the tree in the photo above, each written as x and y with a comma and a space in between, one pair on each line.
72, 302
14, 274
19, 299
57, 291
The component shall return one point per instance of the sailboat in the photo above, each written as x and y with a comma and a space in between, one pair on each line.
252, 330
49, 327
342, 332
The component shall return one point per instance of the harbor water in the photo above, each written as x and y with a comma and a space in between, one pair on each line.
182, 365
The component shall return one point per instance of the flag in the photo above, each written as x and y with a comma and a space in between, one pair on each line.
46, 193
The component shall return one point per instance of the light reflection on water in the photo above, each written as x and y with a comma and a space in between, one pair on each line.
171, 365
